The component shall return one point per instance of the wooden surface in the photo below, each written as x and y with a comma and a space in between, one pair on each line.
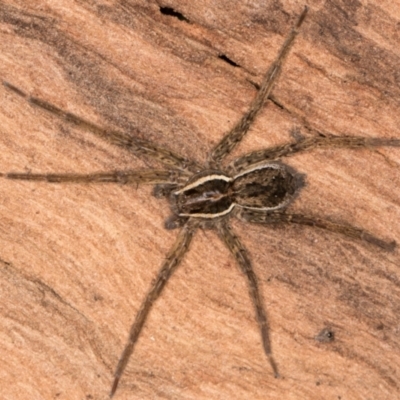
76, 261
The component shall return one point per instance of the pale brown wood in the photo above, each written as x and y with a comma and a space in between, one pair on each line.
76, 261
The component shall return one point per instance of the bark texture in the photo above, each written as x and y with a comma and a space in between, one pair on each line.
76, 260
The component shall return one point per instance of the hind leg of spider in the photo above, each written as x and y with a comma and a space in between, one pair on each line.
265, 217
173, 259
137, 146
308, 144
144, 176
235, 135
241, 256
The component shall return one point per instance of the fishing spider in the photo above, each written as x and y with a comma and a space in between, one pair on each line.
256, 188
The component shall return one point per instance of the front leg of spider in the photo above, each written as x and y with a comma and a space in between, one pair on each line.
140, 147
236, 134
308, 144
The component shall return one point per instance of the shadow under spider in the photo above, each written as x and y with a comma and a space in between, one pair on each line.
256, 188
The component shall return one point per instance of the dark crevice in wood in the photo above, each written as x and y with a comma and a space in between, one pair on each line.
223, 57
172, 13
276, 102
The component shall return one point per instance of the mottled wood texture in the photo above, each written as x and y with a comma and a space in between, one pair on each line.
77, 260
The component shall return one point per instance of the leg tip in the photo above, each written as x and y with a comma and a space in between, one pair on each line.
114, 387
13, 89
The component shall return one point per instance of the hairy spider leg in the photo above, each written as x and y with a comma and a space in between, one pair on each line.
144, 176
241, 256
137, 146
236, 134
265, 217
173, 259
308, 144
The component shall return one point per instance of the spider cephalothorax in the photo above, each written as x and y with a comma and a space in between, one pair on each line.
258, 189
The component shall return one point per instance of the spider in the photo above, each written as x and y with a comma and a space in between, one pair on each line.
256, 188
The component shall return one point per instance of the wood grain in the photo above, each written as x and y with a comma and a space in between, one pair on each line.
76, 260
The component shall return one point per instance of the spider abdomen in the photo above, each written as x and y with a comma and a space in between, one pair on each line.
213, 194
269, 186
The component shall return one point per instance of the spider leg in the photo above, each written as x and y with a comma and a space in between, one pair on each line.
124, 177
241, 256
265, 217
173, 259
307, 144
138, 146
235, 135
